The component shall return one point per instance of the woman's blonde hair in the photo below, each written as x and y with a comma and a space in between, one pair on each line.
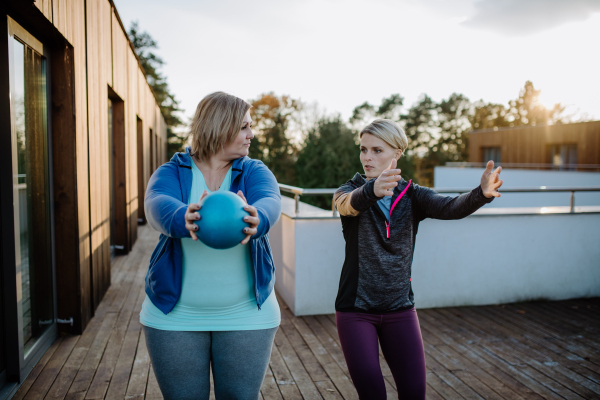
217, 121
388, 131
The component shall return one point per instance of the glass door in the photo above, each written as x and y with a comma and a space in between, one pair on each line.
31, 193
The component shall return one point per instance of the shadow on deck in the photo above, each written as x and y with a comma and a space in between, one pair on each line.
516, 351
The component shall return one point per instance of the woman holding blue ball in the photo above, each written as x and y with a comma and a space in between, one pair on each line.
212, 306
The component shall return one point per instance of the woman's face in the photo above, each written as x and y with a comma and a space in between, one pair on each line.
240, 145
376, 155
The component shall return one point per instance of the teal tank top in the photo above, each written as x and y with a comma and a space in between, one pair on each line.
217, 292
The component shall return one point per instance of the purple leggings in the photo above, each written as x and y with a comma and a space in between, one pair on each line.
402, 346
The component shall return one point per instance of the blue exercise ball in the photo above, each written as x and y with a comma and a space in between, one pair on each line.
222, 220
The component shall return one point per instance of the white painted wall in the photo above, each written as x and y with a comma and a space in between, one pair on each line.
454, 177
494, 256
487, 259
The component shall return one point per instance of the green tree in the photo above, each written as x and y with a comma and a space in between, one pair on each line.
144, 45
488, 115
454, 125
328, 157
271, 117
527, 109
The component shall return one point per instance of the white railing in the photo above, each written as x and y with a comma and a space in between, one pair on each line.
297, 192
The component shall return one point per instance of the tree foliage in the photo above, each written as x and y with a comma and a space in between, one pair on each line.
329, 156
271, 117
144, 45
438, 132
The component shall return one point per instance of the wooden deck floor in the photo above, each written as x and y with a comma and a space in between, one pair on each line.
516, 351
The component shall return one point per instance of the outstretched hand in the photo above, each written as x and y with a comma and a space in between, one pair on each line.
388, 180
490, 181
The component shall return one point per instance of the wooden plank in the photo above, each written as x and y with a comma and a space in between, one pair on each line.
450, 379
45, 380
45, 6
468, 348
269, 389
153, 390
299, 373
495, 379
118, 384
328, 390
496, 355
124, 309
92, 359
441, 387
331, 367
107, 366
536, 357
525, 325
302, 350
120, 380
476, 381
37, 370
64, 160
67, 374
283, 377
139, 374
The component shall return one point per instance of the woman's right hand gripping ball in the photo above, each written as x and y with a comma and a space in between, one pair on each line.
193, 215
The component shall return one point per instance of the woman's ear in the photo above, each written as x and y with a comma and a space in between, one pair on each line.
399, 154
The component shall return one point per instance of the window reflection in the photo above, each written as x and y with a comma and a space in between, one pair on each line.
32, 214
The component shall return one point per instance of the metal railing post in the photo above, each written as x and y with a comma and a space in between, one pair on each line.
572, 201
297, 200
334, 209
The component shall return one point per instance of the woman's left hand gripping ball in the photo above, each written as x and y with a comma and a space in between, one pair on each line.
490, 181
193, 215
251, 219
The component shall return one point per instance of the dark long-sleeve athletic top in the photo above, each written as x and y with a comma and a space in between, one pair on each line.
376, 273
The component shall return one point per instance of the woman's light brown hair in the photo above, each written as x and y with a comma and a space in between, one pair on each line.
388, 131
217, 121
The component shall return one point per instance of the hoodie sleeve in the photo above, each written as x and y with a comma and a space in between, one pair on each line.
433, 205
164, 209
262, 192
351, 201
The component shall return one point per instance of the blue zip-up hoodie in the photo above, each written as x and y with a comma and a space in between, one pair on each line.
166, 204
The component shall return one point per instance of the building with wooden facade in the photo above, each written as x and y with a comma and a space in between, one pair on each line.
566, 146
81, 134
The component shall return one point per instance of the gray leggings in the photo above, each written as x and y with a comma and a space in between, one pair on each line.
181, 362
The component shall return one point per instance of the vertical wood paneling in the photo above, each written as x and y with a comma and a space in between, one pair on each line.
99, 55
102, 57
61, 15
132, 113
120, 50
530, 144
78, 23
45, 6
120, 74
93, 98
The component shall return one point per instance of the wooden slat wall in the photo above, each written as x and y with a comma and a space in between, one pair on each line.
104, 58
98, 33
530, 145
62, 18
131, 113
74, 30
45, 7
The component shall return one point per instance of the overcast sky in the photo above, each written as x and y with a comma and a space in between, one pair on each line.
341, 53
